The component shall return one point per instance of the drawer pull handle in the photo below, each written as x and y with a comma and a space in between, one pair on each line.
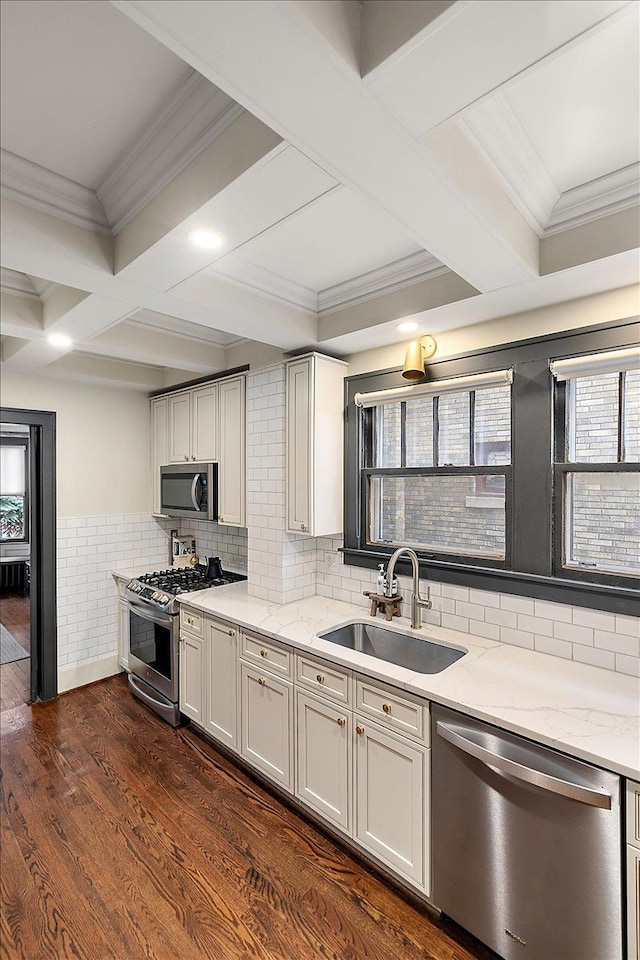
232, 633
264, 653
386, 708
359, 730
261, 681
320, 678
341, 721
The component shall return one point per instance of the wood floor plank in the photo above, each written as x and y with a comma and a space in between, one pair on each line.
176, 853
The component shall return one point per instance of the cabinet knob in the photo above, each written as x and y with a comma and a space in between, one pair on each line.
303, 527
261, 681
232, 633
220, 519
193, 458
186, 456
386, 707
359, 730
320, 678
341, 721
264, 653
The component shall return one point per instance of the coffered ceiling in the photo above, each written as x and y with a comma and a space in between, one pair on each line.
359, 162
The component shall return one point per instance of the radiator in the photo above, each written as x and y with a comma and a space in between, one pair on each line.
12, 576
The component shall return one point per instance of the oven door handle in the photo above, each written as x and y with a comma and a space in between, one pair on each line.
143, 610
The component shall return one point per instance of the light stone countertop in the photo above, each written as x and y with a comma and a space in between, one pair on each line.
587, 712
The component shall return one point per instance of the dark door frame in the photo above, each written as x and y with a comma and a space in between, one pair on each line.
44, 634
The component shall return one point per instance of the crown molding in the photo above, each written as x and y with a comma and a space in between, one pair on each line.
18, 284
247, 274
34, 186
618, 190
185, 329
196, 114
495, 129
386, 279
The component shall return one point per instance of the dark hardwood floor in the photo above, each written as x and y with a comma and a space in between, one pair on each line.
15, 677
122, 838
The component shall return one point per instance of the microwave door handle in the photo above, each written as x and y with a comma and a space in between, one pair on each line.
545, 781
194, 488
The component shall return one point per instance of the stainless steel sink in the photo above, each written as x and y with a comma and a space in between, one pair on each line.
421, 656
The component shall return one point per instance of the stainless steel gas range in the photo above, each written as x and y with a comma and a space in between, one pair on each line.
154, 627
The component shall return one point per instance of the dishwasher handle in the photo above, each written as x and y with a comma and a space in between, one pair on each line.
564, 788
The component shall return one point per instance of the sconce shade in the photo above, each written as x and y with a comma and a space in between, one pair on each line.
417, 352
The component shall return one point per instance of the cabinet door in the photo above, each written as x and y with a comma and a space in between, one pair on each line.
323, 772
192, 677
180, 428
204, 423
221, 682
299, 431
231, 476
159, 446
633, 902
123, 635
266, 724
391, 800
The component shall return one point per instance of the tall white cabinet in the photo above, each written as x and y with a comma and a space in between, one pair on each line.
231, 470
314, 436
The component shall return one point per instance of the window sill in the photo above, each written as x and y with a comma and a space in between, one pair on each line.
621, 600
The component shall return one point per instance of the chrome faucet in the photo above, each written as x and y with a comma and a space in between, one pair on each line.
416, 600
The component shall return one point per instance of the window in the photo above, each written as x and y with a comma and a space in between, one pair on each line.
529, 487
13, 491
597, 483
437, 468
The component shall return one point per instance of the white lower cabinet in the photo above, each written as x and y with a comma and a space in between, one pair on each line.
391, 788
221, 676
192, 686
324, 751
633, 870
266, 723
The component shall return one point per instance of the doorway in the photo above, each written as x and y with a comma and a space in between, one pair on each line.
27, 557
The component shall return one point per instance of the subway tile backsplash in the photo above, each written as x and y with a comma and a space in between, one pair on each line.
573, 633
88, 548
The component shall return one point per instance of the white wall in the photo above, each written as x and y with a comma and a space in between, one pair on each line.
599, 308
103, 443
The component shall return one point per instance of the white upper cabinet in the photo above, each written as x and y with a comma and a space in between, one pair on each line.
314, 433
231, 471
205, 424
193, 425
180, 428
159, 446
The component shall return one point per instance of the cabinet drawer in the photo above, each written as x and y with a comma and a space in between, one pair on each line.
324, 678
269, 654
395, 710
633, 813
191, 622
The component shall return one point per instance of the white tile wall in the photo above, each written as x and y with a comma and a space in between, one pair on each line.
89, 547
281, 565
573, 633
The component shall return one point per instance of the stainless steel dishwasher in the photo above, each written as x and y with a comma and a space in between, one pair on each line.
526, 844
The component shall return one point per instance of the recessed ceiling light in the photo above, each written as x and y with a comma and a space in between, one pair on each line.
407, 326
206, 239
59, 340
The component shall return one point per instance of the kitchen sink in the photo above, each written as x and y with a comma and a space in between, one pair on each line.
421, 656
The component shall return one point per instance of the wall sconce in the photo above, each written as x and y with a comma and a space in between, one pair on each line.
418, 352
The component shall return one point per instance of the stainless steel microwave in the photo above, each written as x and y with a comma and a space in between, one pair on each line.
189, 490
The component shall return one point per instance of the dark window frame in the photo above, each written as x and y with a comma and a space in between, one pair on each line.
18, 441
534, 571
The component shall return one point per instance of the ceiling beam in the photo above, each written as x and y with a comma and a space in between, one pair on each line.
131, 341
330, 114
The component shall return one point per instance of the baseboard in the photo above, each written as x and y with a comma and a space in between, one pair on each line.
81, 673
